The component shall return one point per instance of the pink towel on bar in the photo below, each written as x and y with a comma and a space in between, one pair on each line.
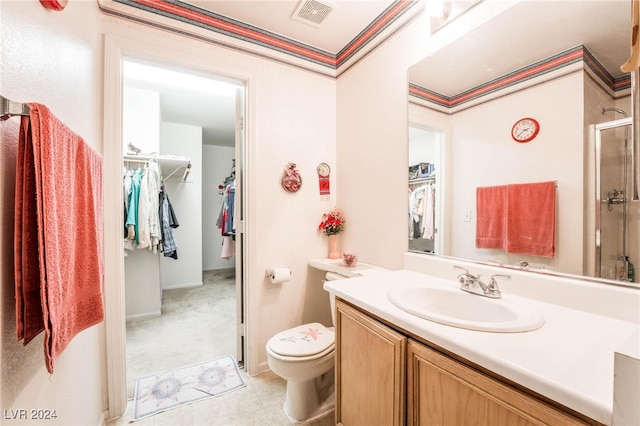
58, 233
26, 264
531, 219
491, 214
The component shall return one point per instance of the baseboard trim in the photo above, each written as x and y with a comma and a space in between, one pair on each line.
144, 316
218, 268
185, 285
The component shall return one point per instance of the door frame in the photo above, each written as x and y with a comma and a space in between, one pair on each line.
116, 50
428, 120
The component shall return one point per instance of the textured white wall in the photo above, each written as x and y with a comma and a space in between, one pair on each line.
186, 199
141, 127
291, 118
52, 58
372, 148
216, 166
485, 155
140, 119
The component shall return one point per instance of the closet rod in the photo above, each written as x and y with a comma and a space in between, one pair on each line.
422, 180
9, 108
160, 159
137, 160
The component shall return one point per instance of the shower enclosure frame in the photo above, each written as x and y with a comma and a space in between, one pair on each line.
628, 121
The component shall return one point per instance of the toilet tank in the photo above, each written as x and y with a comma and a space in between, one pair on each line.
333, 276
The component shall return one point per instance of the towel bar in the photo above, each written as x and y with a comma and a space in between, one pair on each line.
10, 108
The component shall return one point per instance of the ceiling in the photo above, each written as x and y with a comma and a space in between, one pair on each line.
215, 114
524, 34
341, 25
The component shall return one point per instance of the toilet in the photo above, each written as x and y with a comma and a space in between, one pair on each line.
305, 357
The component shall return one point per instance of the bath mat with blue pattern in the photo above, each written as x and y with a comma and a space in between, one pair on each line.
171, 389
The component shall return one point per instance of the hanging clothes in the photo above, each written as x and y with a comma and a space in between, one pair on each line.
416, 210
428, 215
231, 199
148, 208
228, 247
132, 213
143, 210
422, 211
168, 222
226, 221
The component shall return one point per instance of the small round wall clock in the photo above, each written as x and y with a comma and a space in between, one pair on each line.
525, 130
324, 170
323, 178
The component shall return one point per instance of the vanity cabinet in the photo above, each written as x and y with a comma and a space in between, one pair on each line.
443, 391
370, 370
378, 369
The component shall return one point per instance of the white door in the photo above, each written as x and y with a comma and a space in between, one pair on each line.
239, 219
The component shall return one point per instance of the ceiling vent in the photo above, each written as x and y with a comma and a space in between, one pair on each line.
312, 12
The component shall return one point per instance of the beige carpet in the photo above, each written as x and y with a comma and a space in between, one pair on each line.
197, 324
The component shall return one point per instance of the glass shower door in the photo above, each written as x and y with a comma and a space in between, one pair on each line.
612, 189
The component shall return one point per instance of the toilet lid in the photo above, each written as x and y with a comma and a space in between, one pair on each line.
304, 340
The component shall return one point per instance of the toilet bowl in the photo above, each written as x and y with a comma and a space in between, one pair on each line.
304, 357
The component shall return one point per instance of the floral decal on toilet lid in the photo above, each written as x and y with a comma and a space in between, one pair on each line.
304, 340
308, 335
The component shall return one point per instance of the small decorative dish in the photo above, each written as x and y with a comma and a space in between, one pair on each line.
350, 259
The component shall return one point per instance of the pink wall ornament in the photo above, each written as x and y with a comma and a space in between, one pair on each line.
54, 4
291, 180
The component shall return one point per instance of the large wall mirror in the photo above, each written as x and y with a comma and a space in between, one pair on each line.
557, 63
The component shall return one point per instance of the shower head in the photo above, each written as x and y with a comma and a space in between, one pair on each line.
618, 110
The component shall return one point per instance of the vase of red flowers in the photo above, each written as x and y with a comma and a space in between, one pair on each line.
332, 224
334, 253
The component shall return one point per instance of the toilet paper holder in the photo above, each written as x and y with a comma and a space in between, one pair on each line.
276, 274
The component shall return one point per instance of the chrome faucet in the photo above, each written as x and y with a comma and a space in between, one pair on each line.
473, 284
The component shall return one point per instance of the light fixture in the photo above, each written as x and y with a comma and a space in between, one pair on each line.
435, 8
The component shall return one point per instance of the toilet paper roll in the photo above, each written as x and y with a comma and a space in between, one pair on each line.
279, 275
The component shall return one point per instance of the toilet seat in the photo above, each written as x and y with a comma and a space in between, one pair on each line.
307, 341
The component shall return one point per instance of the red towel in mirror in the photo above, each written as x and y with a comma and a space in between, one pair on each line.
531, 219
491, 213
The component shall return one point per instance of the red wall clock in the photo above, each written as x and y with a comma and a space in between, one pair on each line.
525, 130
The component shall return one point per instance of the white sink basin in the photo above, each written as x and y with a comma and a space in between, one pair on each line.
458, 308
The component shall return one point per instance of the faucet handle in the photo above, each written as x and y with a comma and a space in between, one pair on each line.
466, 271
493, 284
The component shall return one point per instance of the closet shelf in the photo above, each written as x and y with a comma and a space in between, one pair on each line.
422, 180
165, 161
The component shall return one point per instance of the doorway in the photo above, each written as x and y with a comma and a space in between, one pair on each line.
425, 194
186, 306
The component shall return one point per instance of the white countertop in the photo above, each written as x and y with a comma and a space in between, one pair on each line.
570, 359
339, 267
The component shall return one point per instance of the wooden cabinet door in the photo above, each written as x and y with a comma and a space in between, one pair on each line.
442, 391
370, 370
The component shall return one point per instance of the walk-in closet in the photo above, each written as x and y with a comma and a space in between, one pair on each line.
179, 169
